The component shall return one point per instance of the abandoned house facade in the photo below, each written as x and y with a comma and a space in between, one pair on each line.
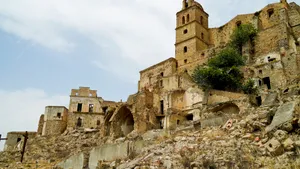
167, 95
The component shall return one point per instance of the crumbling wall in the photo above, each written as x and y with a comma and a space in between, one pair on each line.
15, 140
153, 75
55, 120
85, 100
85, 120
40, 126
217, 96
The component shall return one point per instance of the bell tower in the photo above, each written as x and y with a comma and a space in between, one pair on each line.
192, 33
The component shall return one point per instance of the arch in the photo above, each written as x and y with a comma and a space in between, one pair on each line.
79, 122
227, 108
183, 20
123, 122
188, 18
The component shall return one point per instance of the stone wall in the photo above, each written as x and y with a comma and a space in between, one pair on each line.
152, 76
55, 120
15, 140
88, 99
88, 120
217, 96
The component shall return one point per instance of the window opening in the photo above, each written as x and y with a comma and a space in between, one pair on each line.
59, 115
267, 82
18, 139
238, 23
202, 36
188, 18
183, 20
190, 117
258, 101
98, 122
260, 71
178, 122
270, 12
161, 83
104, 109
162, 107
185, 31
201, 20
91, 108
79, 122
162, 74
79, 107
185, 60
185, 49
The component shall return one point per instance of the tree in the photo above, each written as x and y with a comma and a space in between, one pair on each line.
223, 71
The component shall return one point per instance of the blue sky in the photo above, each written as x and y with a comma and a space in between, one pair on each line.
49, 47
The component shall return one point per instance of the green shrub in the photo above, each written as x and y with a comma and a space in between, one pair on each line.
249, 87
241, 35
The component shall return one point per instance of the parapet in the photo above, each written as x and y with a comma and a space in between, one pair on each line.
83, 92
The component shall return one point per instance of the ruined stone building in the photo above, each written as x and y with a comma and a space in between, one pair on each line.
167, 95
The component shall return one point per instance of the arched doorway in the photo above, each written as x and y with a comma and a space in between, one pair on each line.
124, 122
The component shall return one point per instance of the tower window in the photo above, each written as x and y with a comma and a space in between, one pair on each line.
238, 23
183, 20
270, 12
58, 115
260, 72
98, 122
188, 18
185, 49
185, 31
202, 54
202, 36
185, 60
201, 20
162, 74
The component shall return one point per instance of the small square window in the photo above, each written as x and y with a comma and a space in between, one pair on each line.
185, 31
260, 71
185, 60
162, 74
59, 115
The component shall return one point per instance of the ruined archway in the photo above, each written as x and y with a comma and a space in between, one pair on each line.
123, 122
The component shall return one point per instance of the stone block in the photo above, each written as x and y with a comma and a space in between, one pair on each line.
288, 144
274, 147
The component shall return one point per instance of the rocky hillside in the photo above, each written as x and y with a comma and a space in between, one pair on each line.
263, 137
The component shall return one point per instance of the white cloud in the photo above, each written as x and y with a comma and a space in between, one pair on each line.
20, 110
142, 30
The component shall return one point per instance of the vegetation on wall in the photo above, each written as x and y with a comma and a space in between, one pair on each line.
223, 71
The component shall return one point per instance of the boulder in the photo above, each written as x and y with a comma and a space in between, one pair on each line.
271, 99
274, 147
284, 114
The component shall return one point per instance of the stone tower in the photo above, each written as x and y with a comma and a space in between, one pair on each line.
191, 31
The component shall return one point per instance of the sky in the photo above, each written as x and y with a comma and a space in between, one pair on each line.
49, 47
